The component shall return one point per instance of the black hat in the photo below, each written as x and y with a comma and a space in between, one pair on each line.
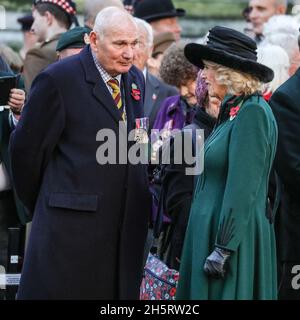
151, 10
229, 48
26, 22
74, 38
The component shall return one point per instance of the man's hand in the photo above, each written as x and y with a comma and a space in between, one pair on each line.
215, 264
16, 101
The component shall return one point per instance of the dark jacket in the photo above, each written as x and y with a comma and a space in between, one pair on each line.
286, 108
38, 58
177, 189
90, 220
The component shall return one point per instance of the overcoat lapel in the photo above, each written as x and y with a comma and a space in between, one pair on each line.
100, 90
130, 111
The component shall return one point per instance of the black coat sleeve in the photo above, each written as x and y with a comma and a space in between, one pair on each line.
287, 161
35, 137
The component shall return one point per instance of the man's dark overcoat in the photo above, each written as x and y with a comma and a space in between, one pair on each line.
90, 220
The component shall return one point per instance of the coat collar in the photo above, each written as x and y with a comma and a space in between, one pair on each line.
297, 73
101, 92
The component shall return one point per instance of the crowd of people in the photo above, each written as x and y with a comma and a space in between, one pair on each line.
87, 224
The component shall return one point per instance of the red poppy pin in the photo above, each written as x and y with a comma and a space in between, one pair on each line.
233, 112
135, 92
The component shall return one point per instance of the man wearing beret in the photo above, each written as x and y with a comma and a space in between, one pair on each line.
72, 42
51, 19
90, 212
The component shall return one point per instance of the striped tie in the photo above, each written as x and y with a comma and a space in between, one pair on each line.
116, 94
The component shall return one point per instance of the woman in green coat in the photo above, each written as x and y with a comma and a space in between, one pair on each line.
229, 250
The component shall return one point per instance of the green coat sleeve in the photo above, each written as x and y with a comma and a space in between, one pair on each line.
248, 153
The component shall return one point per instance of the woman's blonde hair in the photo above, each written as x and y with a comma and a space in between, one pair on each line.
236, 82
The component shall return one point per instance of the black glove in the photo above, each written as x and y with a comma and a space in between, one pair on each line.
215, 264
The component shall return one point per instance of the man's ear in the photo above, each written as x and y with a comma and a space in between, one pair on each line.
93, 41
49, 18
281, 9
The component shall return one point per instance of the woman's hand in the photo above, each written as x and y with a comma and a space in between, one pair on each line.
215, 264
16, 101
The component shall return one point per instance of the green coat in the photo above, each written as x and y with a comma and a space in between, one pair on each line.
229, 206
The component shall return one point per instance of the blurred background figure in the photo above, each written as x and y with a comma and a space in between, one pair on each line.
161, 14
93, 7
29, 38
248, 29
11, 58
129, 5
51, 19
72, 42
161, 43
283, 30
276, 59
177, 111
261, 11
155, 91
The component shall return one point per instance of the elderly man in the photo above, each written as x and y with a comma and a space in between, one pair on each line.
261, 11
156, 90
51, 19
90, 219
161, 14
283, 31
93, 7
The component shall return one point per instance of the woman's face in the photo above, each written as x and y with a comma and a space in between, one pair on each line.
214, 88
188, 91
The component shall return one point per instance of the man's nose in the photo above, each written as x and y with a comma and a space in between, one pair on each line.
253, 14
129, 52
177, 31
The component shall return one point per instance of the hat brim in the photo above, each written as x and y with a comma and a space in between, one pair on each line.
169, 14
196, 53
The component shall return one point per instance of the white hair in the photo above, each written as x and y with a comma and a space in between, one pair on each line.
93, 7
277, 59
110, 17
145, 26
283, 31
